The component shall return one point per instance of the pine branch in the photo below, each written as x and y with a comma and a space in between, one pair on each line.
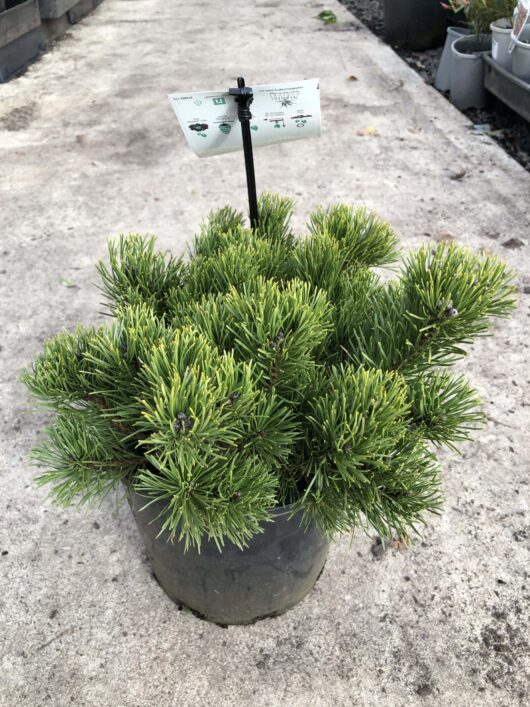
219, 501
442, 302
138, 275
58, 376
84, 457
218, 231
364, 239
274, 216
445, 410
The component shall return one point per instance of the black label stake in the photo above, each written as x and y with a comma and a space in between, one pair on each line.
244, 97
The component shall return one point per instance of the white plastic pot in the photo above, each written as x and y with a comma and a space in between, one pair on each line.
443, 75
501, 32
521, 55
467, 71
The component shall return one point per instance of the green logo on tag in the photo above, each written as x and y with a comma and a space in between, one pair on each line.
219, 101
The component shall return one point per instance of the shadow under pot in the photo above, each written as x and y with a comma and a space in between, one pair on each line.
233, 586
467, 71
521, 55
416, 24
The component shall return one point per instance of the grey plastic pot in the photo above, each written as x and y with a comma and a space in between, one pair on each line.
467, 71
443, 75
501, 32
277, 569
521, 55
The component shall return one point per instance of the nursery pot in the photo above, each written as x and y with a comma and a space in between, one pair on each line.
443, 75
277, 569
467, 71
521, 55
416, 24
501, 32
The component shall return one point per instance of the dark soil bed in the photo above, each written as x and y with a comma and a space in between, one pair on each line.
504, 125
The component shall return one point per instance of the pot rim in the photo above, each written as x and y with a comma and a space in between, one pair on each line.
519, 43
273, 510
456, 31
476, 53
494, 27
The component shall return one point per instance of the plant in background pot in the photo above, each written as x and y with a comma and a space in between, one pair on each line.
466, 81
495, 16
266, 394
467, 66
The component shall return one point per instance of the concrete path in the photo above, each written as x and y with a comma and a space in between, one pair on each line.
89, 147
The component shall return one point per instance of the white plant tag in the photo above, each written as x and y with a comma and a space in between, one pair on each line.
494, 49
521, 17
280, 112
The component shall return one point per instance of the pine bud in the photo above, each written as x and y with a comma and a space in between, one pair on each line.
235, 496
123, 348
450, 311
232, 398
182, 423
347, 449
278, 342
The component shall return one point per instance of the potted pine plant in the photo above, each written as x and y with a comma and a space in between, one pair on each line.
265, 394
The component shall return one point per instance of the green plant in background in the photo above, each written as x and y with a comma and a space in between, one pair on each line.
267, 370
481, 13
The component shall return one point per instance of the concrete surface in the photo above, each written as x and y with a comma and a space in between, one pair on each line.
90, 147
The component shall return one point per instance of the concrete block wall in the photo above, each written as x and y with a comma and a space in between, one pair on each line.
27, 27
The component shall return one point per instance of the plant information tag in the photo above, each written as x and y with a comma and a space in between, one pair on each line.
521, 17
280, 112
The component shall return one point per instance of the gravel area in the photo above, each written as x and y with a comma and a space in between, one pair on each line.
505, 126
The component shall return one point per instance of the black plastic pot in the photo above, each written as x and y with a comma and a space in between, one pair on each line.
279, 567
416, 24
